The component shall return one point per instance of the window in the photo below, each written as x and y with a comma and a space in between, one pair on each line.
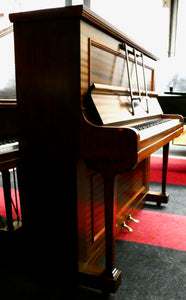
147, 22
7, 62
177, 70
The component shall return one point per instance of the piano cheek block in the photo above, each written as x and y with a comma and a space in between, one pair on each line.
109, 143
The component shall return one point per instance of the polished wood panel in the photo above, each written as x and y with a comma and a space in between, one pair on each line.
108, 66
130, 189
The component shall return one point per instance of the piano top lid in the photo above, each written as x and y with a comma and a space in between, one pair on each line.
83, 12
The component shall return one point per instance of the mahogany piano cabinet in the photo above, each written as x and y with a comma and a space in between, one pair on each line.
89, 120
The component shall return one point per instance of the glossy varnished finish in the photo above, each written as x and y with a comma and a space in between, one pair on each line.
93, 174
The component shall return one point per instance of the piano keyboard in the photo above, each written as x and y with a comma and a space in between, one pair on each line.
7, 146
151, 124
154, 127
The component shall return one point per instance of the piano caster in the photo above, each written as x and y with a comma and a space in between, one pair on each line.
130, 218
124, 225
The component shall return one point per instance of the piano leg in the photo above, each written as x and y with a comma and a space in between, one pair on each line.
112, 276
8, 199
107, 277
161, 197
165, 166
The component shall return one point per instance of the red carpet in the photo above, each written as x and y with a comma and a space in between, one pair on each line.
2, 204
158, 229
176, 170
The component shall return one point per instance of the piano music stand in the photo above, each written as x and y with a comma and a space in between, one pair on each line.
138, 97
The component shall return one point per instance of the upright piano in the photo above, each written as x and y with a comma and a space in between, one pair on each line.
9, 147
89, 120
8, 103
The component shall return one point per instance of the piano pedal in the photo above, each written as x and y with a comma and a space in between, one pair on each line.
124, 225
130, 218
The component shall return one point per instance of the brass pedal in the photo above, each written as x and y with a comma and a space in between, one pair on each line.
130, 218
124, 225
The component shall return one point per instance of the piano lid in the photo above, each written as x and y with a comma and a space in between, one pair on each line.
83, 12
